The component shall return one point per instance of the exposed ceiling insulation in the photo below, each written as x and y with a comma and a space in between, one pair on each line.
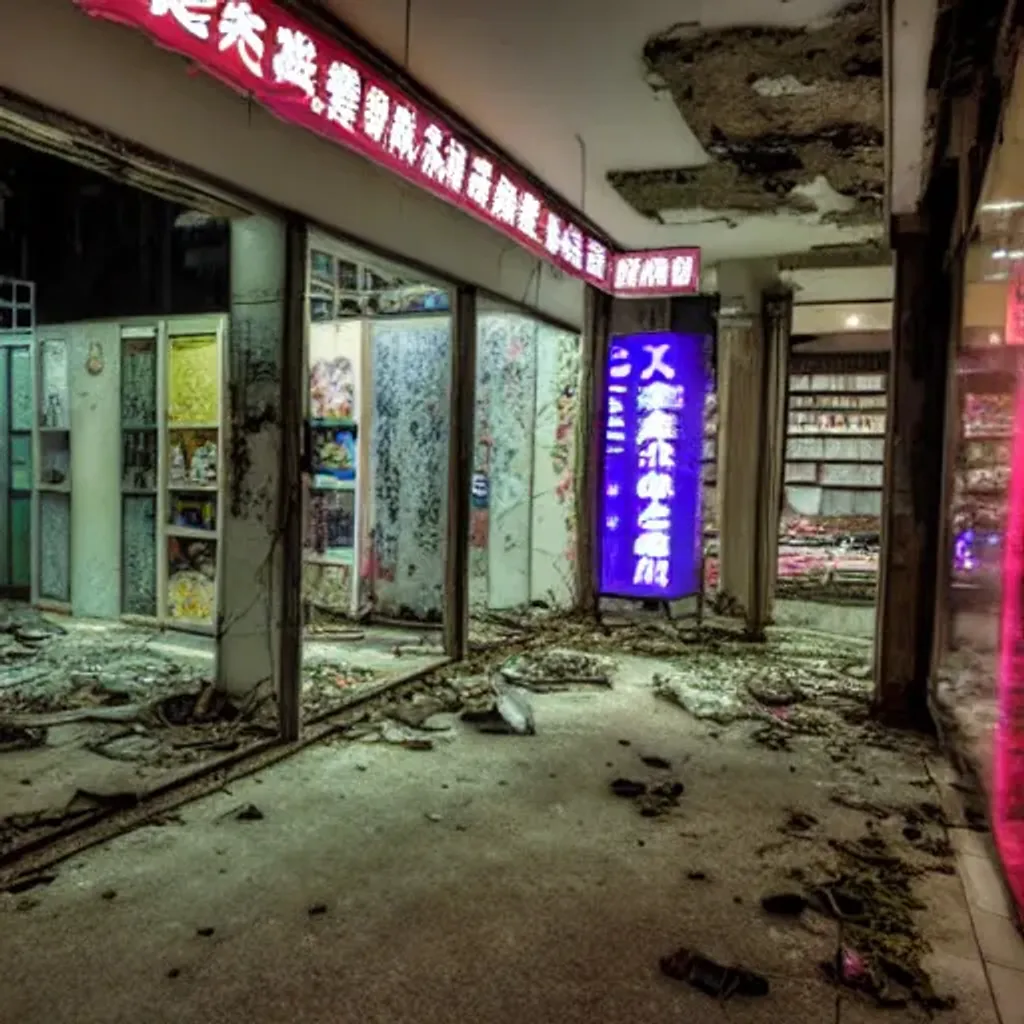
791, 118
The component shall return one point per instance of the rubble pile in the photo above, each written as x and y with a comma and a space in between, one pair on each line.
554, 669
327, 684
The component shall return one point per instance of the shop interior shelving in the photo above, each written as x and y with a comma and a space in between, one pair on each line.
194, 381
986, 386
52, 459
173, 407
709, 463
835, 453
338, 422
830, 411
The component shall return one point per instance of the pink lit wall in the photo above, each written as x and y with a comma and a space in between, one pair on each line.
1008, 795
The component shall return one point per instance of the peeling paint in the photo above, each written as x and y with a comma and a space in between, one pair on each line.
776, 109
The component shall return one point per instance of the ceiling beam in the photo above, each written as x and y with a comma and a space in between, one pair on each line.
838, 258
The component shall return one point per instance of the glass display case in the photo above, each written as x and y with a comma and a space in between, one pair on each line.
192, 478
53, 470
336, 360
986, 385
139, 470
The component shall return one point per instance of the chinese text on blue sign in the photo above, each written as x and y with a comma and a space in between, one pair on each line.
651, 479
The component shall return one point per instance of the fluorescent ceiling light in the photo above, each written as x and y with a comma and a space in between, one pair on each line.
1003, 206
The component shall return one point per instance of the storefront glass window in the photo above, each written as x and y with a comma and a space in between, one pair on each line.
978, 674
523, 519
379, 353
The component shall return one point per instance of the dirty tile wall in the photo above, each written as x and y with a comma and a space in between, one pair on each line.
553, 544
409, 465
55, 547
506, 401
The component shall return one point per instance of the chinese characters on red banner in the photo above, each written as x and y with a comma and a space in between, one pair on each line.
311, 80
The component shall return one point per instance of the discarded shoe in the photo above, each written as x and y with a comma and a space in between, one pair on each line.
713, 978
784, 904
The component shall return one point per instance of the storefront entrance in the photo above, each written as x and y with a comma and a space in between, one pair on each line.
17, 316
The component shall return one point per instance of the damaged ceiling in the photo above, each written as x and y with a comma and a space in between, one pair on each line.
668, 123
791, 117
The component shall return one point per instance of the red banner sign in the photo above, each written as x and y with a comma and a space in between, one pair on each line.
311, 80
656, 272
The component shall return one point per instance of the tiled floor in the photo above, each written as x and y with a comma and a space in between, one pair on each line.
999, 940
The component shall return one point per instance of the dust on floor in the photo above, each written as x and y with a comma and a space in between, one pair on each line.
478, 877
93, 715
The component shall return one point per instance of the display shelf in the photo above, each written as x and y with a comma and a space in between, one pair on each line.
835, 432
330, 422
338, 359
53, 483
806, 393
986, 382
192, 447
191, 532
172, 382
328, 483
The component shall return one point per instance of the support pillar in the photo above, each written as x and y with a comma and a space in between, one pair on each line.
753, 359
596, 327
259, 621
912, 507
462, 395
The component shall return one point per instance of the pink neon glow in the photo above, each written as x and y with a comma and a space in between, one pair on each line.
1014, 334
306, 78
1008, 796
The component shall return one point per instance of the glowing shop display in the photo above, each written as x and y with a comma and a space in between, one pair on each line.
308, 79
651, 471
1008, 802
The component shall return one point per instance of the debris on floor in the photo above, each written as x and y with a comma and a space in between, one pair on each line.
712, 978
556, 668
871, 893
325, 685
510, 713
784, 904
652, 800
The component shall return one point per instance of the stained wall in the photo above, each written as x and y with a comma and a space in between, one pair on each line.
523, 529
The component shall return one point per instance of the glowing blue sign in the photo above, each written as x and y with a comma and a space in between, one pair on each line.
650, 529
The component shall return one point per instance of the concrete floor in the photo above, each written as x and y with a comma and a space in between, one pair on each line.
491, 880
42, 781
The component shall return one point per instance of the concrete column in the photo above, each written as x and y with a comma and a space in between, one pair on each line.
748, 389
912, 505
260, 527
597, 311
460, 472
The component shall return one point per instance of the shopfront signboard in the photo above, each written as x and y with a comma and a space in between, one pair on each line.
307, 78
652, 433
655, 273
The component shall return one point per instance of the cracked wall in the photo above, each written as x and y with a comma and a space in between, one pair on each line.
791, 119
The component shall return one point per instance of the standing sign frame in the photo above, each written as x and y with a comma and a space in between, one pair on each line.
666, 409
